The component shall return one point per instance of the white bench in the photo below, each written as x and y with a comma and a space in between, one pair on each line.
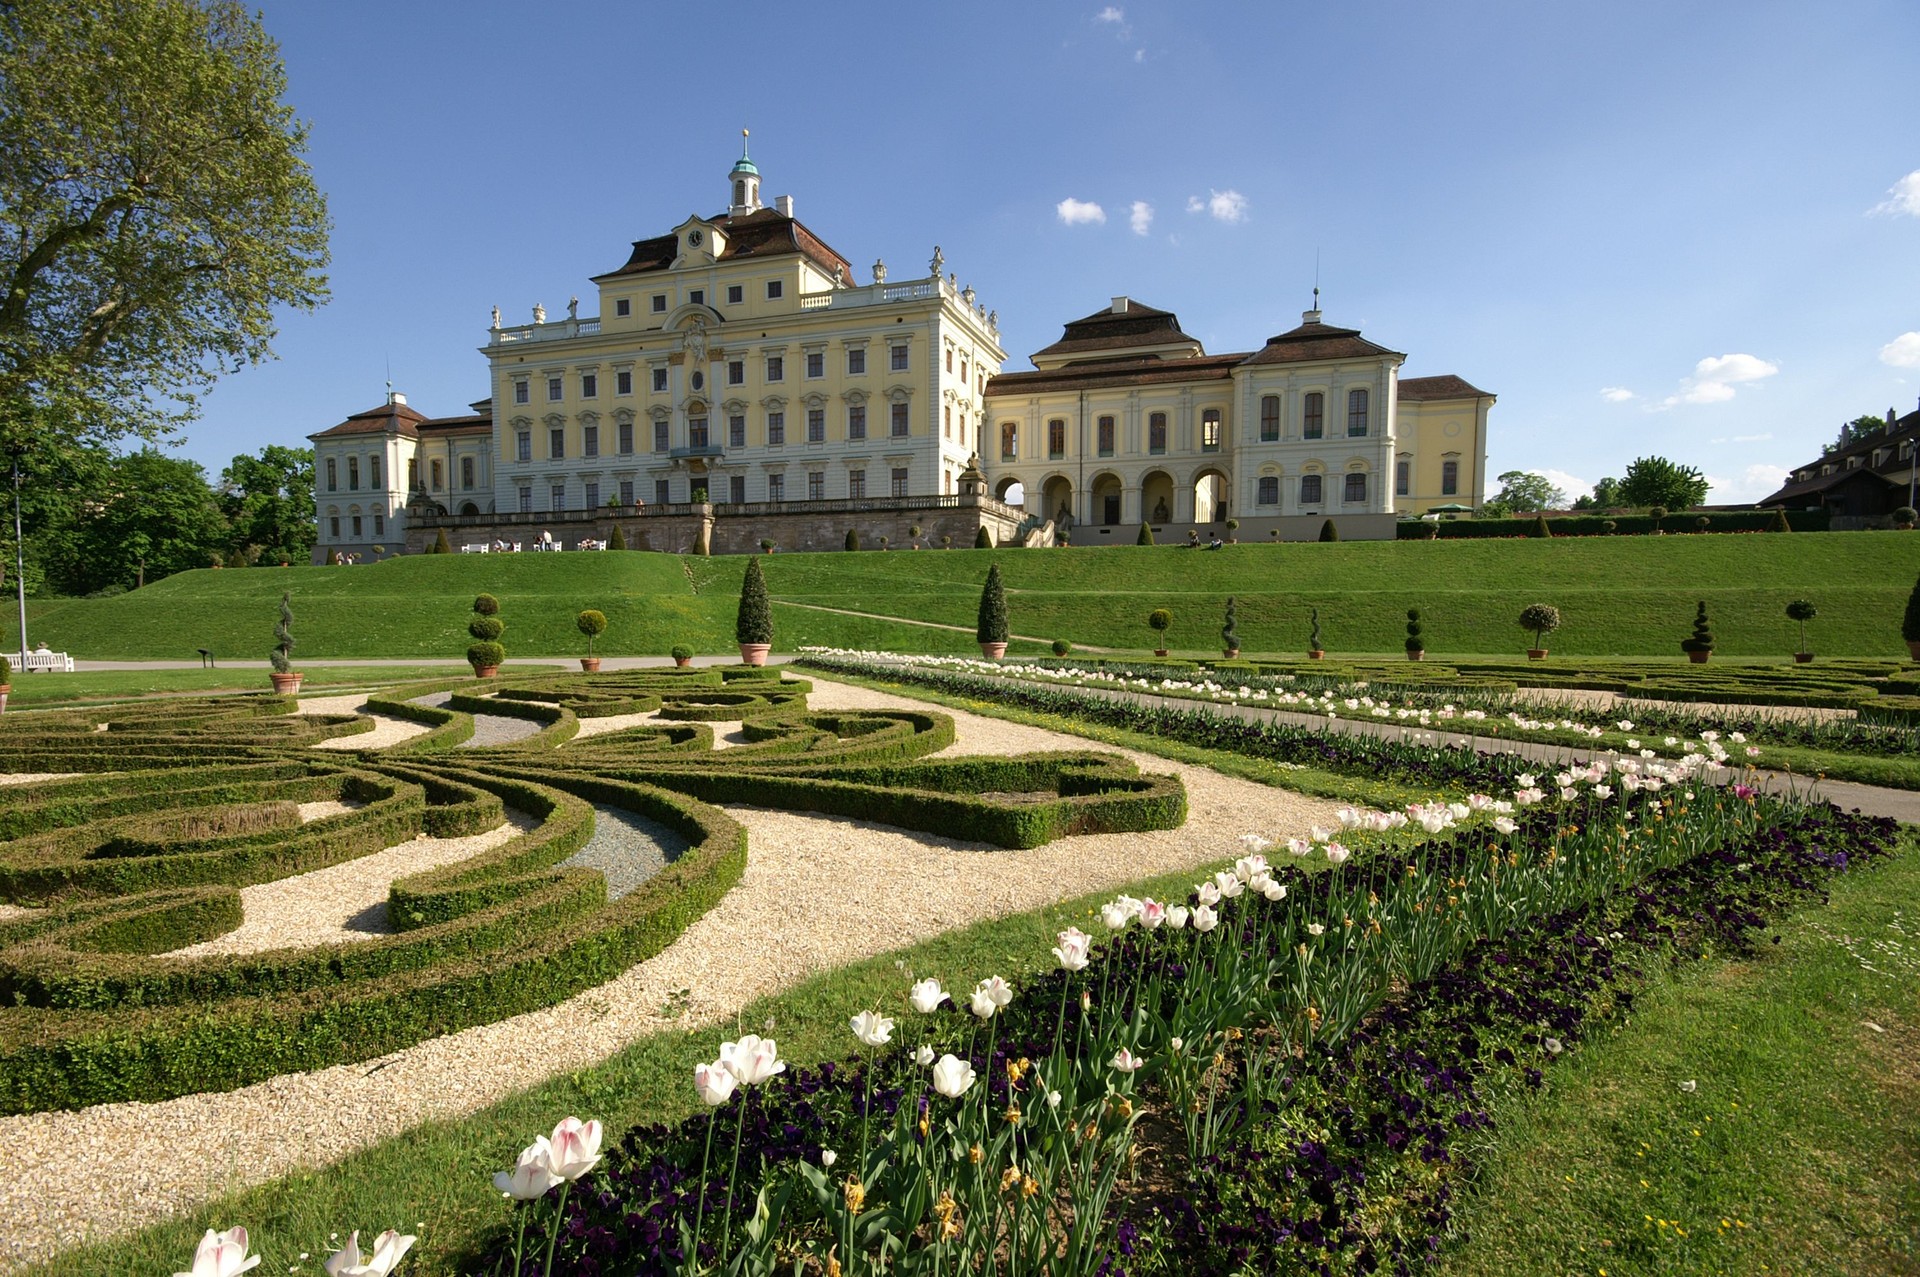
480, 548
42, 662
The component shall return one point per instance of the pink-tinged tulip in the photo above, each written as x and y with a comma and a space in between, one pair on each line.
1248, 867
999, 990
532, 1175
1177, 916
1204, 919
1114, 915
1073, 949
1505, 824
389, 1248
872, 1028
1152, 913
952, 1076
1207, 893
575, 1147
752, 1059
1298, 846
221, 1255
1337, 854
926, 996
714, 1083
1125, 1061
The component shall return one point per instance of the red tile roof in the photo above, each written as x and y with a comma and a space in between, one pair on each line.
1137, 325
1096, 374
765, 233
1314, 341
386, 418
1445, 386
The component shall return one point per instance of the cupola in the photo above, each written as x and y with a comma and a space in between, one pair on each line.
744, 182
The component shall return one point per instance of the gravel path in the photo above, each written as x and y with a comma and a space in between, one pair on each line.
626, 849
866, 889
386, 730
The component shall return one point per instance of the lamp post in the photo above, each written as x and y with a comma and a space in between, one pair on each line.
1913, 464
19, 559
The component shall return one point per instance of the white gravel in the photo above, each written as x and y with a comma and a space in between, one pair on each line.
387, 730
818, 893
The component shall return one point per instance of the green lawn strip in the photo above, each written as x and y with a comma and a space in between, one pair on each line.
439, 1174
36, 691
1803, 1132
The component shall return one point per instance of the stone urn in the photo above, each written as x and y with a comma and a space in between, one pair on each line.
287, 684
754, 653
992, 651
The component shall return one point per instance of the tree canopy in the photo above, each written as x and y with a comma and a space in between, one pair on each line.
156, 209
268, 504
1652, 481
1524, 491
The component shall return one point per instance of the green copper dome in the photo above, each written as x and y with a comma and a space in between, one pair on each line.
744, 165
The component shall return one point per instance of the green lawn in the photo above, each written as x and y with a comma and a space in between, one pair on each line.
1619, 596
40, 691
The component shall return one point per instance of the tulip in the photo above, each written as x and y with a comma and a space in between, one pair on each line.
1337, 854
532, 1175
1254, 842
923, 1055
828, 1157
1073, 949
1115, 916
1205, 919
1228, 883
752, 1059
981, 1004
872, 1028
952, 1076
574, 1148
221, 1255
1505, 824
1125, 1061
714, 1083
1207, 893
388, 1250
1298, 846
999, 990
1273, 890
1053, 1099
1152, 913
926, 996
1177, 916
1247, 867
1316, 929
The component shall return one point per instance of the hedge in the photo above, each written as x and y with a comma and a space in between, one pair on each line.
1594, 525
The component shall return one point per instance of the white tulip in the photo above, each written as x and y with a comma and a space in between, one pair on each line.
872, 1028
1125, 1061
926, 996
389, 1248
221, 1255
752, 1059
1177, 916
1205, 919
714, 1083
923, 1055
952, 1076
531, 1176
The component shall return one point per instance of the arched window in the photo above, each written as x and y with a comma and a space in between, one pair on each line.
1356, 413
740, 190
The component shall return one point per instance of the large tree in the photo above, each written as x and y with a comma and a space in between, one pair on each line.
268, 504
155, 210
155, 516
1524, 492
1651, 481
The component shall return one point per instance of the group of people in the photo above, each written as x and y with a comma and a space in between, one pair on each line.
1193, 541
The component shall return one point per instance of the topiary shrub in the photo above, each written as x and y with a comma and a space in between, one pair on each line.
1802, 611
487, 605
853, 538
1543, 619
1160, 620
1905, 517
1146, 535
440, 544
681, 652
1230, 628
982, 540
1657, 513
1313, 632
1061, 647
592, 624
1609, 527
1328, 532
766, 544
992, 625
618, 540
1702, 523
1415, 643
754, 623
1702, 639
487, 627
1540, 528
1910, 624
282, 654
6, 670
485, 655
1780, 523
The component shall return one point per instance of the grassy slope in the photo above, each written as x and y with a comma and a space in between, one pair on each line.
1626, 596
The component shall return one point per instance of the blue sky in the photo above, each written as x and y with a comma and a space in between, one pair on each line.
1691, 230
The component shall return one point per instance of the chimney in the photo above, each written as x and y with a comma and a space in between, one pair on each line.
783, 205
395, 397
1120, 305
1310, 316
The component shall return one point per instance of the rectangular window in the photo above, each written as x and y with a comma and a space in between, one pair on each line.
556, 389
379, 522
1356, 488
949, 358
1057, 438
1309, 489
356, 526
663, 491
622, 307
696, 432
626, 438
1104, 432
333, 526
589, 385
776, 429
558, 494
659, 303
898, 421
626, 492
659, 380
556, 444
737, 430
526, 498
898, 359
433, 473
857, 421
659, 436
735, 294
697, 296
774, 289
1356, 413
776, 368
373, 472
523, 445
353, 474
333, 475
946, 420
466, 474
737, 489
816, 425
1313, 416
593, 496
1210, 430
413, 472
623, 383
816, 486
963, 368
1402, 477
522, 393
1270, 490
776, 487
1157, 433
1449, 478
816, 363
589, 441
857, 362
1009, 441
736, 372
1269, 418
900, 481
856, 484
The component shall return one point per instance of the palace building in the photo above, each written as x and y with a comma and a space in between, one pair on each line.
737, 384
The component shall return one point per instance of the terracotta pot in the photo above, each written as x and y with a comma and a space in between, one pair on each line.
1159, 651
286, 684
754, 653
486, 671
1803, 658
683, 661
1417, 656
6, 689
1698, 658
590, 664
1316, 655
1229, 652
1536, 653
992, 651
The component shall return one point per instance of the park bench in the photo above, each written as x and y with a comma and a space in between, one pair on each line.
42, 662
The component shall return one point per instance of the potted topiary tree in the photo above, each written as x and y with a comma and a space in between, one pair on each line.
991, 630
592, 624
440, 545
753, 627
1159, 621
486, 654
1904, 518
617, 539
1700, 645
1543, 619
1230, 632
1701, 523
682, 655
766, 545
1273, 534
1802, 610
1315, 652
946, 542
1608, 526
883, 544
1233, 526
913, 536
285, 681
1061, 647
1910, 624
1416, 645
1657, 513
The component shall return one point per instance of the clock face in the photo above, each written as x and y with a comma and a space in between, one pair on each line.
693, 239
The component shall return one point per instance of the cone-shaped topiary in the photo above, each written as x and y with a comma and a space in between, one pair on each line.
1543, 619
992, 627
592, 624
1702, 640
1910, 624
1230, 628
983, 539
440, 545
1802, 610
1146, 535
282, 653
1540, 528
1328, 532
618, 541
853, 539
755, 621
1415, 642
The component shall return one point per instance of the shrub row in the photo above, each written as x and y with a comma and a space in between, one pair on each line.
1595, 525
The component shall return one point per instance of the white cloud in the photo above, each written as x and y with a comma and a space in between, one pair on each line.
1140, 217
1902, 352
1571, 484
1113, 14
1616, 394
1715, 377
1222, 206
1139, 55
1903, 198
1079, 213
1751, 484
